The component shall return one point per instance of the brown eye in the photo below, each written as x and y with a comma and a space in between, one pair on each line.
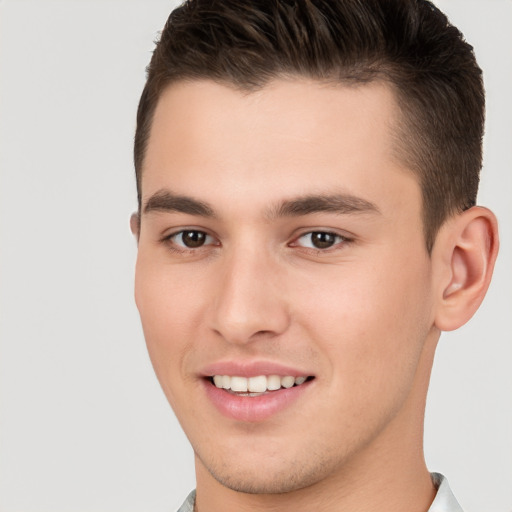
320, 240
191, 239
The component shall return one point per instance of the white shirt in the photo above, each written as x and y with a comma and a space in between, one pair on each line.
445, 500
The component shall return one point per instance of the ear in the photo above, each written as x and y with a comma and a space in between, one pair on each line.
135, 225
465, 252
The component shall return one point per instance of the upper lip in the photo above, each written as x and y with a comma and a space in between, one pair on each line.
251, 369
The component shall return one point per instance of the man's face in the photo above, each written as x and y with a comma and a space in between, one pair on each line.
281, 238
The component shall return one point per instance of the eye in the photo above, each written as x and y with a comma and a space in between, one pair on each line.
320, 240
191, 239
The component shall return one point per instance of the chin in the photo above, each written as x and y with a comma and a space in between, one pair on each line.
266, 484
274, 477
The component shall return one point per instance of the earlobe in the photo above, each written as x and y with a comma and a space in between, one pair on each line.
135, 225
467, 251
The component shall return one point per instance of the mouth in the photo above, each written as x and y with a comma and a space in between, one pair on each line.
259, 385
256, 398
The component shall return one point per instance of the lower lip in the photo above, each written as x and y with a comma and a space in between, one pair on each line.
255, 408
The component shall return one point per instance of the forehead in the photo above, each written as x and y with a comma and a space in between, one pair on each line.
291, 137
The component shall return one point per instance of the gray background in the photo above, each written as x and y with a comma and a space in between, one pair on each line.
83, 423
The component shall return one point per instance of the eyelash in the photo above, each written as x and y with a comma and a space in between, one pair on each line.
340, 240
169, 240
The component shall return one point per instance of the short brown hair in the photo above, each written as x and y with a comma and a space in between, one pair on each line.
408, 43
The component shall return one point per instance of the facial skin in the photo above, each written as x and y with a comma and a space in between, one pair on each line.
357, 317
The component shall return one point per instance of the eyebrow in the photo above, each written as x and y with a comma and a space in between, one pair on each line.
340, 204
166, 201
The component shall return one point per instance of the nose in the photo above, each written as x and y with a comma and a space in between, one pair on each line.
249, 302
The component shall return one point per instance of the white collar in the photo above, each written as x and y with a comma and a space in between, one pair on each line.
445, 500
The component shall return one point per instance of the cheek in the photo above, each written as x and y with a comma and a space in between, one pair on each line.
168, 297
170, 310
371, 324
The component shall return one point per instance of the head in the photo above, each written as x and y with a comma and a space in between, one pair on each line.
306, 174
409, 45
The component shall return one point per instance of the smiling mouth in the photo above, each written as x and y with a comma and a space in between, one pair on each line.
258, 385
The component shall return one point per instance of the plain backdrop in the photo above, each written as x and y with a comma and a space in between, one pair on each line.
84, 425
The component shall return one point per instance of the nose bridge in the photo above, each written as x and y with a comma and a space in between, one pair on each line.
249, 299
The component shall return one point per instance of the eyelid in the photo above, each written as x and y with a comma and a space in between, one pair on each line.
343, 239
169, 239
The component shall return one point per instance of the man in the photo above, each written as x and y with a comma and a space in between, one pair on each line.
307, 176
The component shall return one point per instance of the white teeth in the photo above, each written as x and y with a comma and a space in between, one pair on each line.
258, 384
273, 382
287, 382
239, 384
226, 382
